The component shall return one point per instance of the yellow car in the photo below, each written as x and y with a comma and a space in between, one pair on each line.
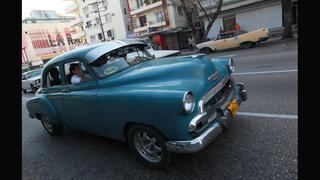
234, 39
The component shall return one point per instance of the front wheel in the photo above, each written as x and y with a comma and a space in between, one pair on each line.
206, 50
149, 147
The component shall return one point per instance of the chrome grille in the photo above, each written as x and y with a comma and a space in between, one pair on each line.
207, 97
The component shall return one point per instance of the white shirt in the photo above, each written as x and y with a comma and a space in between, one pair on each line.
75, 79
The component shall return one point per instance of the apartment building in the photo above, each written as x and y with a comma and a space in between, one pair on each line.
46, 34
100, 20
160, 19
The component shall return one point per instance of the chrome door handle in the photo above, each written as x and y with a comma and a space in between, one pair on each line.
65, 90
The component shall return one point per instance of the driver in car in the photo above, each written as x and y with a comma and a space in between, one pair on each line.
76, 77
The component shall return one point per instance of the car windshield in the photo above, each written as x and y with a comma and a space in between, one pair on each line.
34, 73
119, 59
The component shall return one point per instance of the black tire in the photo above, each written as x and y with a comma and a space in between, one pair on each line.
206, 50
33, 88
166, 156
24, 91
246, 45
52, 129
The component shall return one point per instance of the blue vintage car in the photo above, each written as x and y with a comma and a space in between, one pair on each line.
117, 89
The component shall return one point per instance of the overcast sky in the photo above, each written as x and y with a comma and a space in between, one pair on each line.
58, 5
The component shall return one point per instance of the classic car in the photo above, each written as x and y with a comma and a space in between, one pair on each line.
177, 104
234, 39
157, 53
31, 80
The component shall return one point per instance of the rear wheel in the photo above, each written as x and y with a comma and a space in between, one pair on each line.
206, 50
246, 45
148, 146
52, 129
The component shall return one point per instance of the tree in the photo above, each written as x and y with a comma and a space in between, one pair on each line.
210, 10
288, 19
210, 13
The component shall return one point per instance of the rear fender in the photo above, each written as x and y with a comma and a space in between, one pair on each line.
41, 105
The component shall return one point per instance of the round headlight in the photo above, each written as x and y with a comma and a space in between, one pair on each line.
37, 81
231, 65
188, 102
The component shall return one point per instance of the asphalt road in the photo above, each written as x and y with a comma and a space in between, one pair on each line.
262, 144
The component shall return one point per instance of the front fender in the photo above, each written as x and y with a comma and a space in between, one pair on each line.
161, 109
41, 105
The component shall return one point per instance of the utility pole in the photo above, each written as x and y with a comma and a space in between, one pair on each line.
99, 16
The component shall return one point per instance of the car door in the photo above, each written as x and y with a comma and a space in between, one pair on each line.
233, 42
80, 99
220, 43
53, 92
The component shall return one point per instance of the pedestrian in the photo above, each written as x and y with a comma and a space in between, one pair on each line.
238, 26
221, 30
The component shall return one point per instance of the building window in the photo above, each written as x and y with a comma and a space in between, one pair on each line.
108, 18
97, 21
100, 36
92, 38
83, 0
124, 10
139, 3
128, 27
229, 23
86, 10
159, 16
180, 11
88, 24
143, 21
110, 33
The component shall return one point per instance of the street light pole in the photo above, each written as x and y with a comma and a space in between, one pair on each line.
101, 25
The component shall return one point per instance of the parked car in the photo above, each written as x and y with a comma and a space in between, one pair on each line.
31, 80
234, 39
176, 104
157, 53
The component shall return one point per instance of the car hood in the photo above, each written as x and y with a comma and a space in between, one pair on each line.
35, 78
179, 73
162, 53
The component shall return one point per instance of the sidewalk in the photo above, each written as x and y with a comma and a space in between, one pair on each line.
270, 41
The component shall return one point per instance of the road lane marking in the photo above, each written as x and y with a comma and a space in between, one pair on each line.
266, 72
281, 116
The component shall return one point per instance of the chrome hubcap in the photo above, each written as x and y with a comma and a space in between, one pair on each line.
147, 146
46, 123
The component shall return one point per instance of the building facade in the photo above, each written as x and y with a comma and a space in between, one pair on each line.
100, 20
45, 36
160, 19
250, 15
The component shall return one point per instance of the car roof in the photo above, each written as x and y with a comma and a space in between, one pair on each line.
92, 52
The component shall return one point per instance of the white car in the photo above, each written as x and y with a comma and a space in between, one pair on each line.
31, 80
157, 53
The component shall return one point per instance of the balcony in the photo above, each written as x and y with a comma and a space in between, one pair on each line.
72, 8
136, 10
149, 25
78, 35
75, 22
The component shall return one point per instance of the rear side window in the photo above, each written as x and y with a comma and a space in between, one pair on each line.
53, 77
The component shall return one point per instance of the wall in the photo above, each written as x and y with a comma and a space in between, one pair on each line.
249, 20
266, 17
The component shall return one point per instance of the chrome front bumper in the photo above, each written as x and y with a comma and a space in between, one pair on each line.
211, 132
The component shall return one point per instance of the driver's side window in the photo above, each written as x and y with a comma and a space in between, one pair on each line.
76, 73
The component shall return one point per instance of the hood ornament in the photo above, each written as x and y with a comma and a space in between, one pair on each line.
213, 77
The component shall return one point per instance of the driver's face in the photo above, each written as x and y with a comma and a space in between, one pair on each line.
77, 71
